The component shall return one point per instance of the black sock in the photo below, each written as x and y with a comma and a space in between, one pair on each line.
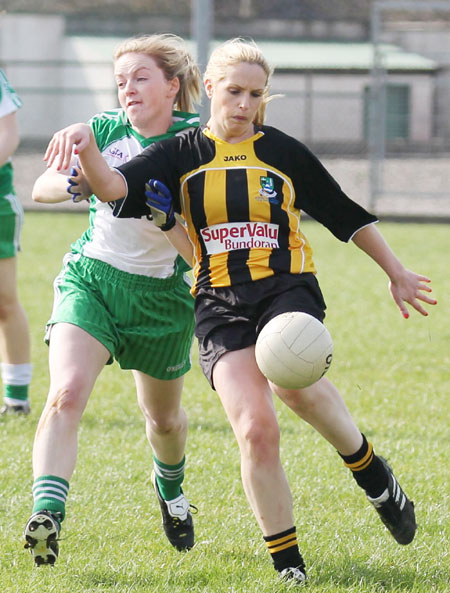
283, 548
367, 469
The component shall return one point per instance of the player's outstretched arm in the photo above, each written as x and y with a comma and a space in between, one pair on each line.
50, 187
55, 186
78, 140
405, 286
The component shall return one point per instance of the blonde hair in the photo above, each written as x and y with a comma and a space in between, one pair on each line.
173, 58
235, 51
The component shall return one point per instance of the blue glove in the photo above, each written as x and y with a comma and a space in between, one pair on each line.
77, 187
76, 197
160, 202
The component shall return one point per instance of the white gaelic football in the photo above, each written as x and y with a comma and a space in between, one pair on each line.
294, 350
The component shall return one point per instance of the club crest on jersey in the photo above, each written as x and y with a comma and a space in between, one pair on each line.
267, 191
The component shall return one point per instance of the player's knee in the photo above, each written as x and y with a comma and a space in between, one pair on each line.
166, 424
7, 308
66, 399
260, 438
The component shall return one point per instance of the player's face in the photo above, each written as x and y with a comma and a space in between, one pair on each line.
145, 93
235, 100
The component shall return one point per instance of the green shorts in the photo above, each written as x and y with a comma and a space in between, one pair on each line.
146, 323
11, 221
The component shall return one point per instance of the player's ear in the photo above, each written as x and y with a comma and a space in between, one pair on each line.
174, 87
208, 88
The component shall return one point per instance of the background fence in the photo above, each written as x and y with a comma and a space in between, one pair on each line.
420, 179
376, 112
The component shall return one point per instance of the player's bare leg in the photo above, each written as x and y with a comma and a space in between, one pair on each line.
14, 335
248, 403
247, 399
75, 360
166, 428
322, 406
165, 419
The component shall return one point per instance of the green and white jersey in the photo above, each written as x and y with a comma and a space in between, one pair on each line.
133, 245
9, 103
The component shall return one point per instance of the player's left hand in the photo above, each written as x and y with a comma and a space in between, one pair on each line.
159, 200
411, 288
78, 187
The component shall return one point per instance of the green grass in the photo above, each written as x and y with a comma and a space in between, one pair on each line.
394, 374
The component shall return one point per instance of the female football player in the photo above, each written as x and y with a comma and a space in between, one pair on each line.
15, 360
240, 186
123, 294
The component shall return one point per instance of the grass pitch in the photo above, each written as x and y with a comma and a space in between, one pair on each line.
394, 375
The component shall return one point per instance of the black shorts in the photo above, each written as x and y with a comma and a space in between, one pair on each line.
230, 318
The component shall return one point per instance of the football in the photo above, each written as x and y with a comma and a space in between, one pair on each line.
294, 350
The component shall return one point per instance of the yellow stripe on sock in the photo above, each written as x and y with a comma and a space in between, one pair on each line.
282, 543
362, 463
284, 547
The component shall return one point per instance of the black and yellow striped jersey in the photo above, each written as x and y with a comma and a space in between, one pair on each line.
242, 202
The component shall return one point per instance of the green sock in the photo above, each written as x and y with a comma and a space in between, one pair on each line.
169, 478
16, 379
50, 494
15, 392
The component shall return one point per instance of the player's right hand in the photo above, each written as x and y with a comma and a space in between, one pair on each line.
68, 141
159, 200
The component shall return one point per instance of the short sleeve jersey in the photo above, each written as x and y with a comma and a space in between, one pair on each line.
9, 103
133, 246
242, 202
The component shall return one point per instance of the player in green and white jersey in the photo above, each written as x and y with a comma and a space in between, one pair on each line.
122, 294
14, 333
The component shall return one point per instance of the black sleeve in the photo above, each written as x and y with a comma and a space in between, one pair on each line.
320, 196
155, 162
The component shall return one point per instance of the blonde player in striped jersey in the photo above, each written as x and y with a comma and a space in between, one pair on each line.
241, 187
122, 294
